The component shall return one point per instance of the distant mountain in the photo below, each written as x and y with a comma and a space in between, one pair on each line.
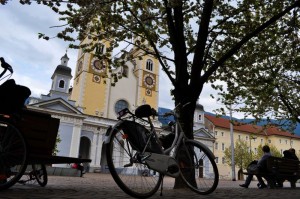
164, 120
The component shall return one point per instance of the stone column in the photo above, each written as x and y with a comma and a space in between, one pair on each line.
75, 143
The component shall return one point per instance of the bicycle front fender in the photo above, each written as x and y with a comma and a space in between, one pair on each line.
110, 130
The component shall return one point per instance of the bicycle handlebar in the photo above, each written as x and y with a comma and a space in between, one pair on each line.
6, 66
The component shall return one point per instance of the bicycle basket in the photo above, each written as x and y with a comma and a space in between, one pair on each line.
138, 135
12, 96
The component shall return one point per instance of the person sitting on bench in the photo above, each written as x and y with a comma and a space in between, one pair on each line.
290, 154
287, 154
261, 165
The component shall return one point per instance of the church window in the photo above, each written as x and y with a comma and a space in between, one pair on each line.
100, 49
217, 160
216, 145
61, 84
200, 117
149, 65
120, 105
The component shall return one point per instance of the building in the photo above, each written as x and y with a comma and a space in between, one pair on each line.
254, 135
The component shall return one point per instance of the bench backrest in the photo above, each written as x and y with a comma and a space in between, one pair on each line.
283, 165
40, 132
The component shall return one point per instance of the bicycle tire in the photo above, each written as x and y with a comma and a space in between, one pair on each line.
40, 174
133, 179
205, 174
13, 155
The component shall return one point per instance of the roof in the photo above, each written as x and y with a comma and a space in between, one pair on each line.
63, 70
199, 106
249, 128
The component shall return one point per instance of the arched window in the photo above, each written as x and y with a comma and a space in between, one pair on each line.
120, 105
149, 65
61, 84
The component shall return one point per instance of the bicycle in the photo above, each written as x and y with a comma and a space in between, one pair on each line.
12, 145
37, 174
138, 162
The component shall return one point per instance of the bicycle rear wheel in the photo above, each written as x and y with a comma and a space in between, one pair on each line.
12, 155
198, 167
132, 176
40, 174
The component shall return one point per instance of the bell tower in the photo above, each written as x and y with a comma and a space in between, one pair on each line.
95, 92
147, 70
89, 87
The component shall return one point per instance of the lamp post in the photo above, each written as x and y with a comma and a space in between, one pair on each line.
232, 146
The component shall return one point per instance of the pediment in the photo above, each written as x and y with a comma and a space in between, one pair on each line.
57, 104
203, 133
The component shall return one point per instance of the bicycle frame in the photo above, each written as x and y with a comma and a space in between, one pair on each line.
158, 162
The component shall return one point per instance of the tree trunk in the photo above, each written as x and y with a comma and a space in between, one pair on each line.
186, 119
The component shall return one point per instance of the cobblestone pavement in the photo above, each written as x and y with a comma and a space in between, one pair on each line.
102, 186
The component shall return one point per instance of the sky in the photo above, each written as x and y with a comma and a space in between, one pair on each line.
34, 60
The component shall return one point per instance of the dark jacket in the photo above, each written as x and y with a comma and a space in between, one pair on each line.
289, 155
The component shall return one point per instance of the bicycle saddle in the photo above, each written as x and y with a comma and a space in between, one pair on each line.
145, 111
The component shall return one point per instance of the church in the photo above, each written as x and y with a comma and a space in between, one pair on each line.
88, 107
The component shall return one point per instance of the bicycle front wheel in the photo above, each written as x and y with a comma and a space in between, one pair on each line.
13, 155
130, 174
198, 167
40, 174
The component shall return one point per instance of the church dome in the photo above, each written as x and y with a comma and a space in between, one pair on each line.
199, 107
63, 70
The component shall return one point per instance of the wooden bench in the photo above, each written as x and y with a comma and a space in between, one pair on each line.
40, 131
279, 170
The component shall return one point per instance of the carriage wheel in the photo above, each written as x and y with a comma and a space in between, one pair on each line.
13, 155
40, 174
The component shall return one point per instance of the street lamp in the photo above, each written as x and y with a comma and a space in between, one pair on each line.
232, 146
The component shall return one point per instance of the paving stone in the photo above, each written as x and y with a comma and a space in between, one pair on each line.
98, 186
